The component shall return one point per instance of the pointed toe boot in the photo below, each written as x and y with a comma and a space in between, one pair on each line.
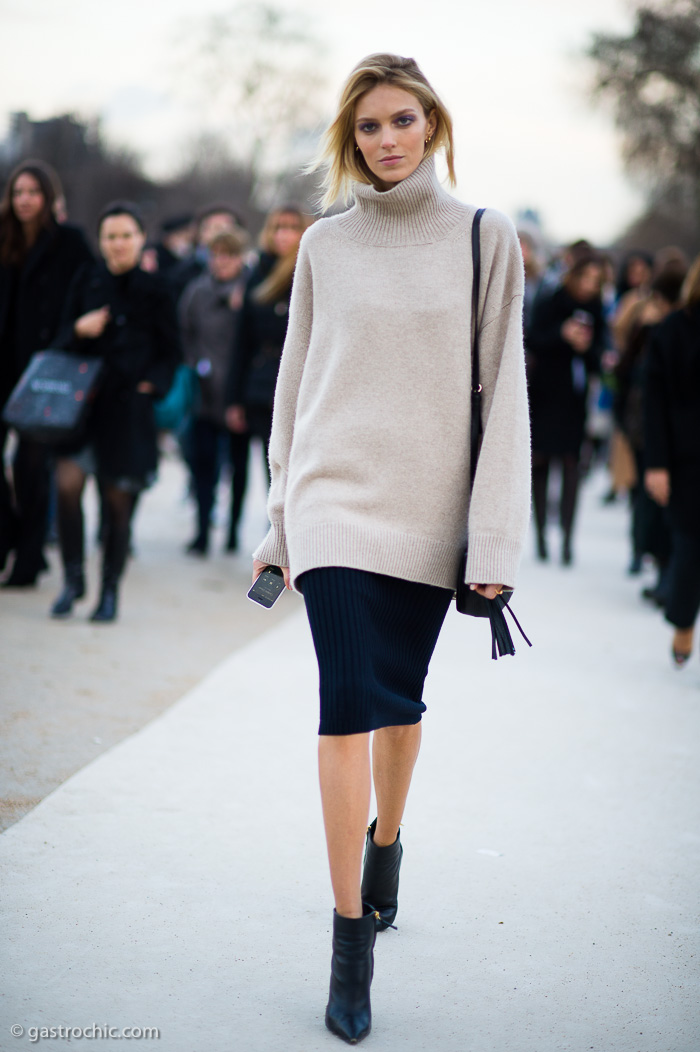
380, 879
349, 1013
73, 589
106, 609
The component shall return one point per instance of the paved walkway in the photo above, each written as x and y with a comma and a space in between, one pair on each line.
549, 896
70, 689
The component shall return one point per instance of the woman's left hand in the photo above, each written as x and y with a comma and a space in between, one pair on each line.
489, 591
145, 387
258, 568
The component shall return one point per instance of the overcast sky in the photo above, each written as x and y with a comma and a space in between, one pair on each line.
509, 70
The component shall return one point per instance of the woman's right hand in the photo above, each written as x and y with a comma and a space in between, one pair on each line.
579, 336
91, 325
657, 483
258, 568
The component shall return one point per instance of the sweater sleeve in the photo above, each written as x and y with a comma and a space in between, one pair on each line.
273, 549
500, 506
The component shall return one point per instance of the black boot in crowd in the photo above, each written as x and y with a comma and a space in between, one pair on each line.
116, 551
73, 589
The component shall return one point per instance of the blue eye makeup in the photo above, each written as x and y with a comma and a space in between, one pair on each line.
404, 120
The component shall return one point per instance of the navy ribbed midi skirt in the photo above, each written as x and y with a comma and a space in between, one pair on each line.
374, 636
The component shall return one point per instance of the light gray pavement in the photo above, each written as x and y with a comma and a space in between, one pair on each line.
550, 895
70, 690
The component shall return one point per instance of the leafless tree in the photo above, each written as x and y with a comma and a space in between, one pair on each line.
257, 73
652, 79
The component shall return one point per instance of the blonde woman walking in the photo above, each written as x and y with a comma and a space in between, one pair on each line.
369, 455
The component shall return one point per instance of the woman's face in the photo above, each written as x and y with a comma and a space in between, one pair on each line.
638, 272
224, 266
27, 198
286, 233
390, 131
588, 283
121, 243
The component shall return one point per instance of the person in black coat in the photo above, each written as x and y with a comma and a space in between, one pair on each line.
208, 310
564, 343
263, 326
672, 453
38, 258
650, 531
120, 313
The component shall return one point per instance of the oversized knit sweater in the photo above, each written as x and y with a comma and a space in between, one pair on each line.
370, 445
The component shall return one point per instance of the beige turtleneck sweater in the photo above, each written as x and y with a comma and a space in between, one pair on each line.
370, 440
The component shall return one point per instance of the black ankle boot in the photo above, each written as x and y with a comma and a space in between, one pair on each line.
348, 1013
106, 609
73, 589
380, 879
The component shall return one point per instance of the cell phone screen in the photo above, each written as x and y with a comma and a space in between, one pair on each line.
268, 587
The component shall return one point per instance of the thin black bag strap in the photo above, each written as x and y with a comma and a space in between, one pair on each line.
476, 385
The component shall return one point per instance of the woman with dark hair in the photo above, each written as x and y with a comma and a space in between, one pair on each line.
120, 313
263, 325
672, 454
38, 258
635, 273
565, 341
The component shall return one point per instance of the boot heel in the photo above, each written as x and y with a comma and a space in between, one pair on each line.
349, 1013
380, 879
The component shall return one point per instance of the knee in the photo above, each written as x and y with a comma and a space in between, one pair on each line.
400, 735
68, 491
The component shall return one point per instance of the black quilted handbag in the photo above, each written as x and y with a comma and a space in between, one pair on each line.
468, 601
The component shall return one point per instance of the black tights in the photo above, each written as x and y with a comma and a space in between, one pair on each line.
24, 506
118, 507
569, 492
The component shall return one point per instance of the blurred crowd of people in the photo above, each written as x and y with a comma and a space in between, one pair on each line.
189, 329
613, 364
197, 319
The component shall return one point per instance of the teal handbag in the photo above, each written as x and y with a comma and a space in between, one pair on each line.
172, 410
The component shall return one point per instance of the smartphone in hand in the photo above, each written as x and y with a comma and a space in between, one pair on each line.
268, 587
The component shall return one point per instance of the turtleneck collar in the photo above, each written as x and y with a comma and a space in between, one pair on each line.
417, 211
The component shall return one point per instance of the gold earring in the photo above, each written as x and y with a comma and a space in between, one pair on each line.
428, 140
357, 148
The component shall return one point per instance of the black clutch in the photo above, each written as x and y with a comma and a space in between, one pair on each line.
467, 600
52, 397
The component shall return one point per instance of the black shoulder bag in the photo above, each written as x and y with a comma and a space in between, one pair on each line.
468, 601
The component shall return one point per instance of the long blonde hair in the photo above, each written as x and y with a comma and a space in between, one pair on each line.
279, 281
345, 165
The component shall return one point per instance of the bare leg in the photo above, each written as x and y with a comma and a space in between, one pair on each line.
344, 773
394, 754
683, 640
